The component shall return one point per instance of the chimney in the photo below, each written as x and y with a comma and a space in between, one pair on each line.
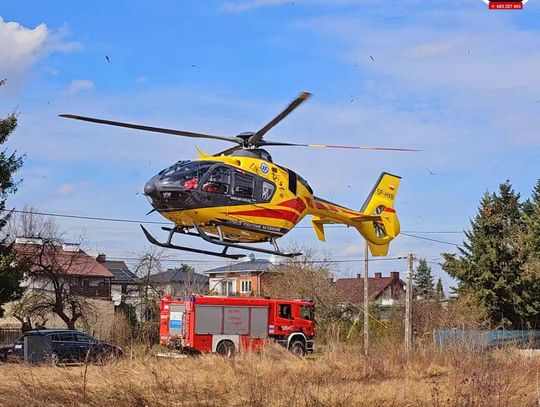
29, 240
394, 275
71, 247
359, 276
378, 275
101, 258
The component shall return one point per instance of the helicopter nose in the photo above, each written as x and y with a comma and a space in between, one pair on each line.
150, 188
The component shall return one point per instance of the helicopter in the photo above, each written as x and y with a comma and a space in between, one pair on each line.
239, 196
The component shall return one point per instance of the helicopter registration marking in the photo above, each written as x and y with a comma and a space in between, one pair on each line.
385, 194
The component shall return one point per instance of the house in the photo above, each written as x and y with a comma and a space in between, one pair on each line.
68, 263
383, 292
178, 282
242, 278
124, 284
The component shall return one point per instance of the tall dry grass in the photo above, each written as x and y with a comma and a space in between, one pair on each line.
338, 376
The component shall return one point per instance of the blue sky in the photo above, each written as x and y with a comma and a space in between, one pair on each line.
452, 78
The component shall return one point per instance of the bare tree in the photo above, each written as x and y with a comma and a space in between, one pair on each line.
53, 272
149, 263
28, 223
309, 276
192, 282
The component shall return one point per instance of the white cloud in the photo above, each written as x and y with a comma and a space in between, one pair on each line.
69, 189
21, 47
79, 85
237, 7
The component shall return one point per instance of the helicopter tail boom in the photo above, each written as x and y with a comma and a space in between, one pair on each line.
377, 221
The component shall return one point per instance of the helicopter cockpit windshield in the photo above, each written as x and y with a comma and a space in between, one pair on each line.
185, 174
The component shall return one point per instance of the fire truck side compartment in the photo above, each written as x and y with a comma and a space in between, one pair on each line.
230, 320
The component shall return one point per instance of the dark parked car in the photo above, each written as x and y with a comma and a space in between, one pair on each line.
67, 346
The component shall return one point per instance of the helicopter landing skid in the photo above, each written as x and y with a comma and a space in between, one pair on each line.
169, 245
227, 243
218, 241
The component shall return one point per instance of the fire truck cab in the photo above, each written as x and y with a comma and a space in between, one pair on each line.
226, 325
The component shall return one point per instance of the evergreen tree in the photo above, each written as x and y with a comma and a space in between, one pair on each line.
531, 209
423, 280
439, 291
10, 276
490, 265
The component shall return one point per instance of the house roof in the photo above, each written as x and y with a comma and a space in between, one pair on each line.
253, 265
177, 276
73, 262
352, 289
119, 270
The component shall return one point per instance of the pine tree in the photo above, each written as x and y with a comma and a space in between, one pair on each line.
10, 275
490, 264
439, 291
531, 209
423, 280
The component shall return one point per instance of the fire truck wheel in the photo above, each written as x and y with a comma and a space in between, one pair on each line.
226, 348
298, 348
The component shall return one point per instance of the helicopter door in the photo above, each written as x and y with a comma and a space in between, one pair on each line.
218, 182
244, 185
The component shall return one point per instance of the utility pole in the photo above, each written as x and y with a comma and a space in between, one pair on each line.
408, 303
366, 299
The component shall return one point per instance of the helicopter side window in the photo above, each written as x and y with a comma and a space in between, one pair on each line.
219, 181
244, 185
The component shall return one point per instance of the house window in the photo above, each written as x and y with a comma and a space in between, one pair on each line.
227, 287
245, 286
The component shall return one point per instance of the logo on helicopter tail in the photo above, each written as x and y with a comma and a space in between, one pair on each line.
505, 5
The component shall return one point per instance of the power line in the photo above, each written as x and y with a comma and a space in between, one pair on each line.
287, 263
431, 240
148, 222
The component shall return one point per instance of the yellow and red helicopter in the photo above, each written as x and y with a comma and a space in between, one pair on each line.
240, 196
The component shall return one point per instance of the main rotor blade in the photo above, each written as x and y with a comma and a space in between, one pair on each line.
293, 105
277, 143
154, 129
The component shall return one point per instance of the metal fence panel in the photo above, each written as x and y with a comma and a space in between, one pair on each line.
9, 335
37, 348
478, 339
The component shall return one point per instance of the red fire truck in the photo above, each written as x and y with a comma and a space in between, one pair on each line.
226, 325
170, 326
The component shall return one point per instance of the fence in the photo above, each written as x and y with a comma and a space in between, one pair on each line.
9, 335
478, 339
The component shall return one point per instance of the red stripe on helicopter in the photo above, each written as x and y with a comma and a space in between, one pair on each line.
296, 204
269, 213
392, 210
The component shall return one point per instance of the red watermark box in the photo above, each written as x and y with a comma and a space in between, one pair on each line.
505, 5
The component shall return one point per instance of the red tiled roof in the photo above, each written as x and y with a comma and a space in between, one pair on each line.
75, 263
352, 289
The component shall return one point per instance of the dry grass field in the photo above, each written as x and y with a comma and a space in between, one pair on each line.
339, 376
